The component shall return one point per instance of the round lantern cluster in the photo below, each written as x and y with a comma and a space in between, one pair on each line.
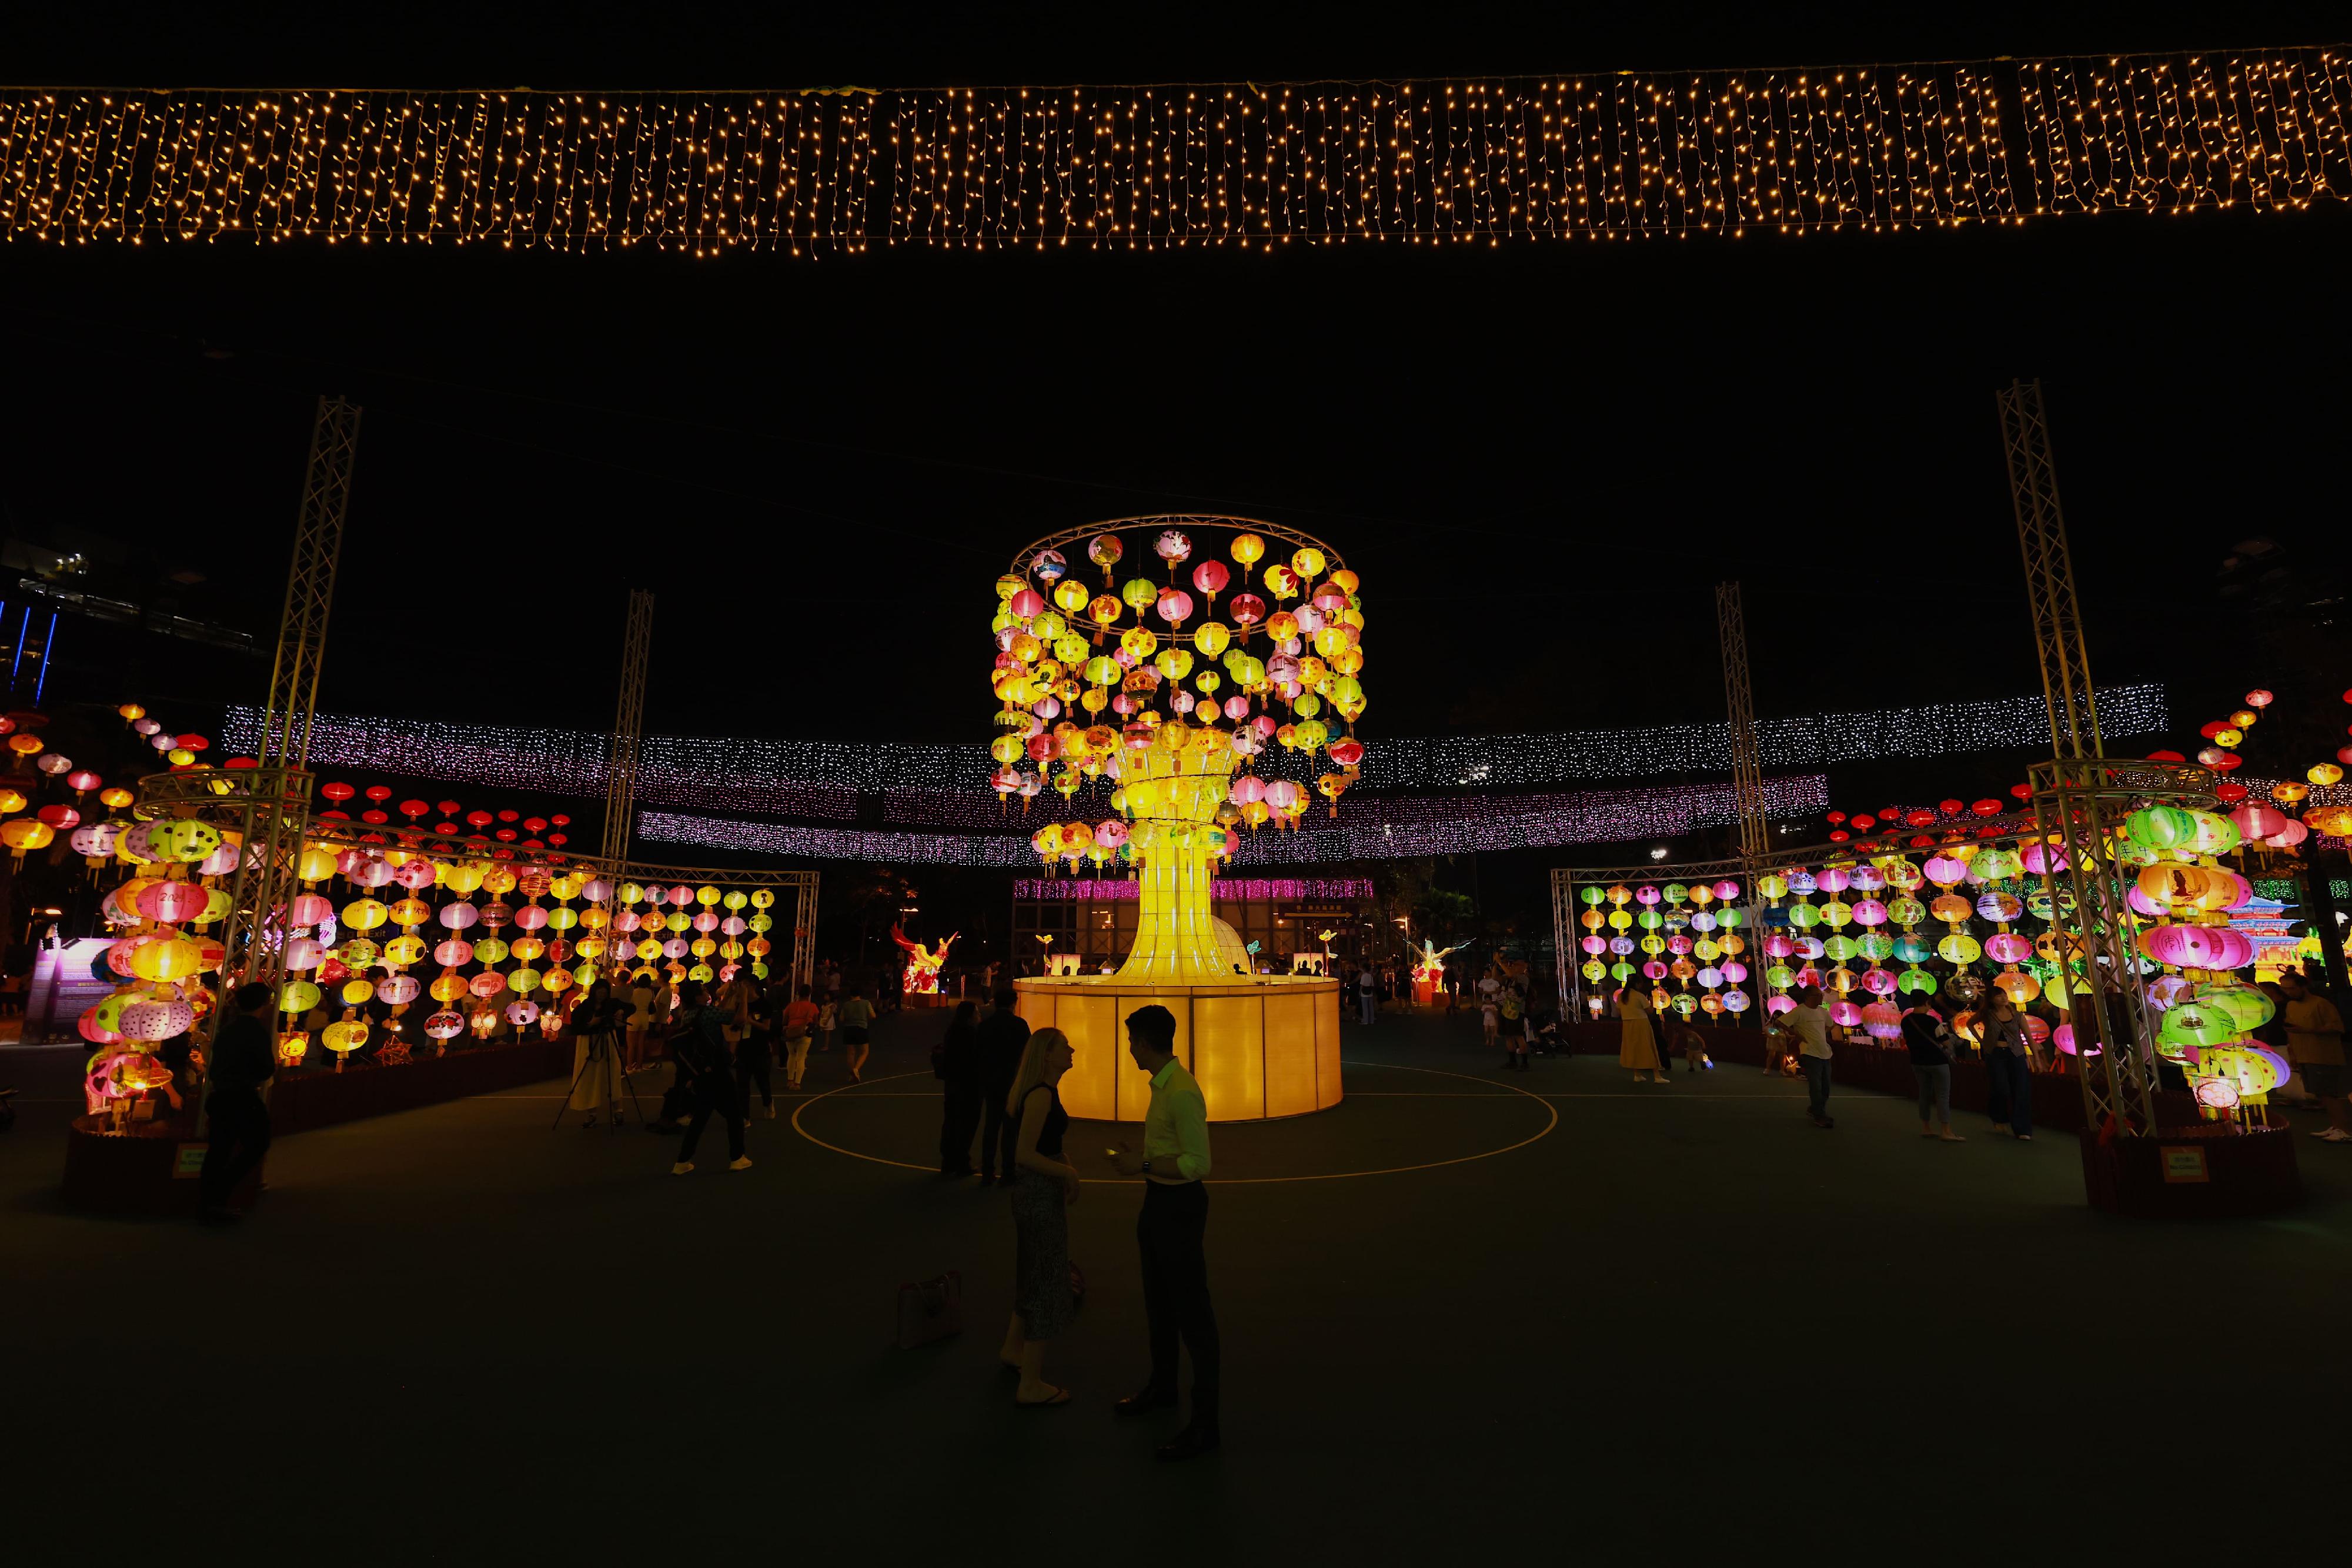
1148, 684
681, 929
163, 911
1873, 913
1690, 935
479, 827
2208, 1015
1948, 822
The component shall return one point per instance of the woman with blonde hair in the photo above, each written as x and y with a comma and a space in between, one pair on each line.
1043, 1187
1637, 1046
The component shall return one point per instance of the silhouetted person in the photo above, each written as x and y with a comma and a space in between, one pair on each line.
243, 1059
1001, 1038
709, 1062
958, 1074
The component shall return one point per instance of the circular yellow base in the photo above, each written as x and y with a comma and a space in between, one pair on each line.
1259, 1048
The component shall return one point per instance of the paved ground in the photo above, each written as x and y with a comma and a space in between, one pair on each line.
1678, 1320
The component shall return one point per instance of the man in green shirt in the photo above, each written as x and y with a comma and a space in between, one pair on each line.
1171, 1230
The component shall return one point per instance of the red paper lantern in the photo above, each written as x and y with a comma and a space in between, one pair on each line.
414, 807
337, 791
2230, 795
2023, 791
1949, 808
1986, 807
2166, 756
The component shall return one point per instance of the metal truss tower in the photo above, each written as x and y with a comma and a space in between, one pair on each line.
2079, 797
277, 808
1746, 757
628, 735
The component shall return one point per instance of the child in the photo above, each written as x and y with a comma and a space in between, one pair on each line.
1693, 1046
1487, 1020
826, 1016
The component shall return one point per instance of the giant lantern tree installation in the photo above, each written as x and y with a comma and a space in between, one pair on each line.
1194, 721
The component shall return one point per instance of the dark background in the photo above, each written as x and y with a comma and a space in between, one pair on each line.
1541, 459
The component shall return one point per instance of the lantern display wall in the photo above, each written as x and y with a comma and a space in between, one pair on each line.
408, 950
1687, 939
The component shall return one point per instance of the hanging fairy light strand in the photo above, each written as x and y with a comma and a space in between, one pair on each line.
822, 779
1879, 147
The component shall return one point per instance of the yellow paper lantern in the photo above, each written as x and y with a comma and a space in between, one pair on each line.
26, 833
358, 993
343, 1038
166, 955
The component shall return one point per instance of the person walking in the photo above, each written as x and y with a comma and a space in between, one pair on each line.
1929, 1040
1368, 996
1001, 1038
1806, 1026
2009, 1079
700, 1041
1637, 1039
596, 1055
2314, 1042
828, 1019
958, 1075
755, 1053
1171, 1233
801, 1016
238, 1133
1045, 1184
856, 1018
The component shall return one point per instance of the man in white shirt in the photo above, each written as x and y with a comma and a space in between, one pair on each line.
1368, 996
1809, 1026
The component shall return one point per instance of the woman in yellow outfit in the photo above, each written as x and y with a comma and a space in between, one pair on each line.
1638, 1046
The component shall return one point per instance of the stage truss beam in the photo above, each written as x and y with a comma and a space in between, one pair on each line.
628, 737
2049, 573
1747, 757
275, 801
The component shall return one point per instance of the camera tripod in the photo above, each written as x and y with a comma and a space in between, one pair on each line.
598, 1046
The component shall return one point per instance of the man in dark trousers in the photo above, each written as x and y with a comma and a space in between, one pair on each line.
243, 1060
1004, 1036
1171, 1231
958, 1075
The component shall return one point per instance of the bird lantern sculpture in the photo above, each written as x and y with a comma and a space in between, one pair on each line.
1190, 728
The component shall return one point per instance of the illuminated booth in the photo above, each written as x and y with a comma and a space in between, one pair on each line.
1197, 734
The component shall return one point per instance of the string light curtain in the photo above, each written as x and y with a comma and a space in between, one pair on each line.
1371, 828
822, 779
1878, 147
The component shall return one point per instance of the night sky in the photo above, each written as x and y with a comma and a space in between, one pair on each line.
1539, 458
